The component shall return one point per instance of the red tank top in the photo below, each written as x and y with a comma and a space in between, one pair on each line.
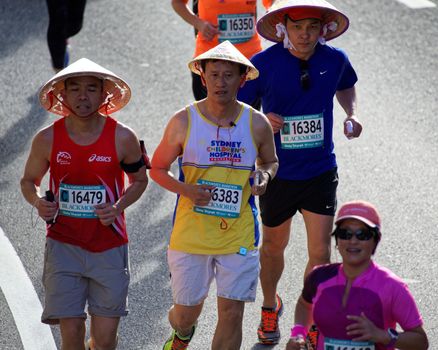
81, 177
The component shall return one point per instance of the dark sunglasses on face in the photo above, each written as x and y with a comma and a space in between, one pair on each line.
304, 75
361, 235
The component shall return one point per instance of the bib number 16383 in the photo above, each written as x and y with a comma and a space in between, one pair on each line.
226, 200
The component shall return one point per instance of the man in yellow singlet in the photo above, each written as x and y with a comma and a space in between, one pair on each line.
226, 155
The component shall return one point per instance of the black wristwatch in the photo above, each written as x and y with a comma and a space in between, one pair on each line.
394, 336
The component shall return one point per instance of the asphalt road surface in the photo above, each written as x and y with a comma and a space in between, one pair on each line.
394, 49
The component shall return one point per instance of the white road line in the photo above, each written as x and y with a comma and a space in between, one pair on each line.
417, 4
22, 299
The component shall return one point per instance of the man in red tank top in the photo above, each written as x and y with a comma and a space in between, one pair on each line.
88, 154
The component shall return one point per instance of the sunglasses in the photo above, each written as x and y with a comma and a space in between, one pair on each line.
361, 235
304, 75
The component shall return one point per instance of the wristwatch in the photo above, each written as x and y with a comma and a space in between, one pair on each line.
394, 336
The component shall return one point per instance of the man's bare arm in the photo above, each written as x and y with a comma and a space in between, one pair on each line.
170, 147
36, 167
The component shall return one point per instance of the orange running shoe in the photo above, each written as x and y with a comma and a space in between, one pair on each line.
312, 337
268, 331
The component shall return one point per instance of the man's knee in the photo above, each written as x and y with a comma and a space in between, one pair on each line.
105, 342
275, 239
320, 254
72, 329
231, 315
273, 248
181, 320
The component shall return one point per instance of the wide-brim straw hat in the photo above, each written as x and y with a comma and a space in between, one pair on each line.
298, 10
225, 51
117, 92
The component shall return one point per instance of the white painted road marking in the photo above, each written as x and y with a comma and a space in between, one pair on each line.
417, 4
22, 299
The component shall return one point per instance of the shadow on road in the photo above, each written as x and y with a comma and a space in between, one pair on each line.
150, 296
15, 139
21, 20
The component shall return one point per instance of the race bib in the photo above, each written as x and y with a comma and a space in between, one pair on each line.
337, 344
303, 131
79, 201
225, 202
237, 28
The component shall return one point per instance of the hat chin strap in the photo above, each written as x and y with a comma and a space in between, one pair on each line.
105, 105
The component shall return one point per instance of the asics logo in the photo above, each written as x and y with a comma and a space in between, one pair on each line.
63, 158
96, 158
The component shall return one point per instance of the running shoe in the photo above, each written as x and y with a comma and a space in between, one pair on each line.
177, 342
268, 331
312, 337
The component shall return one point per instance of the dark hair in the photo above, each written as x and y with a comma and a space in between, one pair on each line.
242, 68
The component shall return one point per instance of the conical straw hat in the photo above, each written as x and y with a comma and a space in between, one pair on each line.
226, 52
297, 10
117, 91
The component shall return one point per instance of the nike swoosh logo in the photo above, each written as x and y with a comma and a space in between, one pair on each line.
323, 72
328, 206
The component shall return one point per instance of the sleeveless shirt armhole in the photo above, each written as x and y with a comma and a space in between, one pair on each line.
251, 120
57, 124
189, 125
239, 116
317, 276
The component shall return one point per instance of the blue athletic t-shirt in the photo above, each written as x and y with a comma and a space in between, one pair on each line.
305, 144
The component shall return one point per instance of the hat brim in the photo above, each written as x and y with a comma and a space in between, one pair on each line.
266, 25
195, 67
357, 217
117, 92
224, 52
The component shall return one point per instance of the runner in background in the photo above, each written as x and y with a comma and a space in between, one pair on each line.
215, 21
299, 77
65, 20
88, 154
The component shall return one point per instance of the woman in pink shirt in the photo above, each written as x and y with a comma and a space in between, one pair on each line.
357, 304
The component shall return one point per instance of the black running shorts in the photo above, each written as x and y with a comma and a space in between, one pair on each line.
284, 197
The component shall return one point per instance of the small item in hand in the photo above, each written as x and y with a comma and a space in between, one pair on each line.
50, 198
145, 156
257, 179
349, 126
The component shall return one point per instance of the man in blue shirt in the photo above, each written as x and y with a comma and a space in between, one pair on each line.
299, 77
